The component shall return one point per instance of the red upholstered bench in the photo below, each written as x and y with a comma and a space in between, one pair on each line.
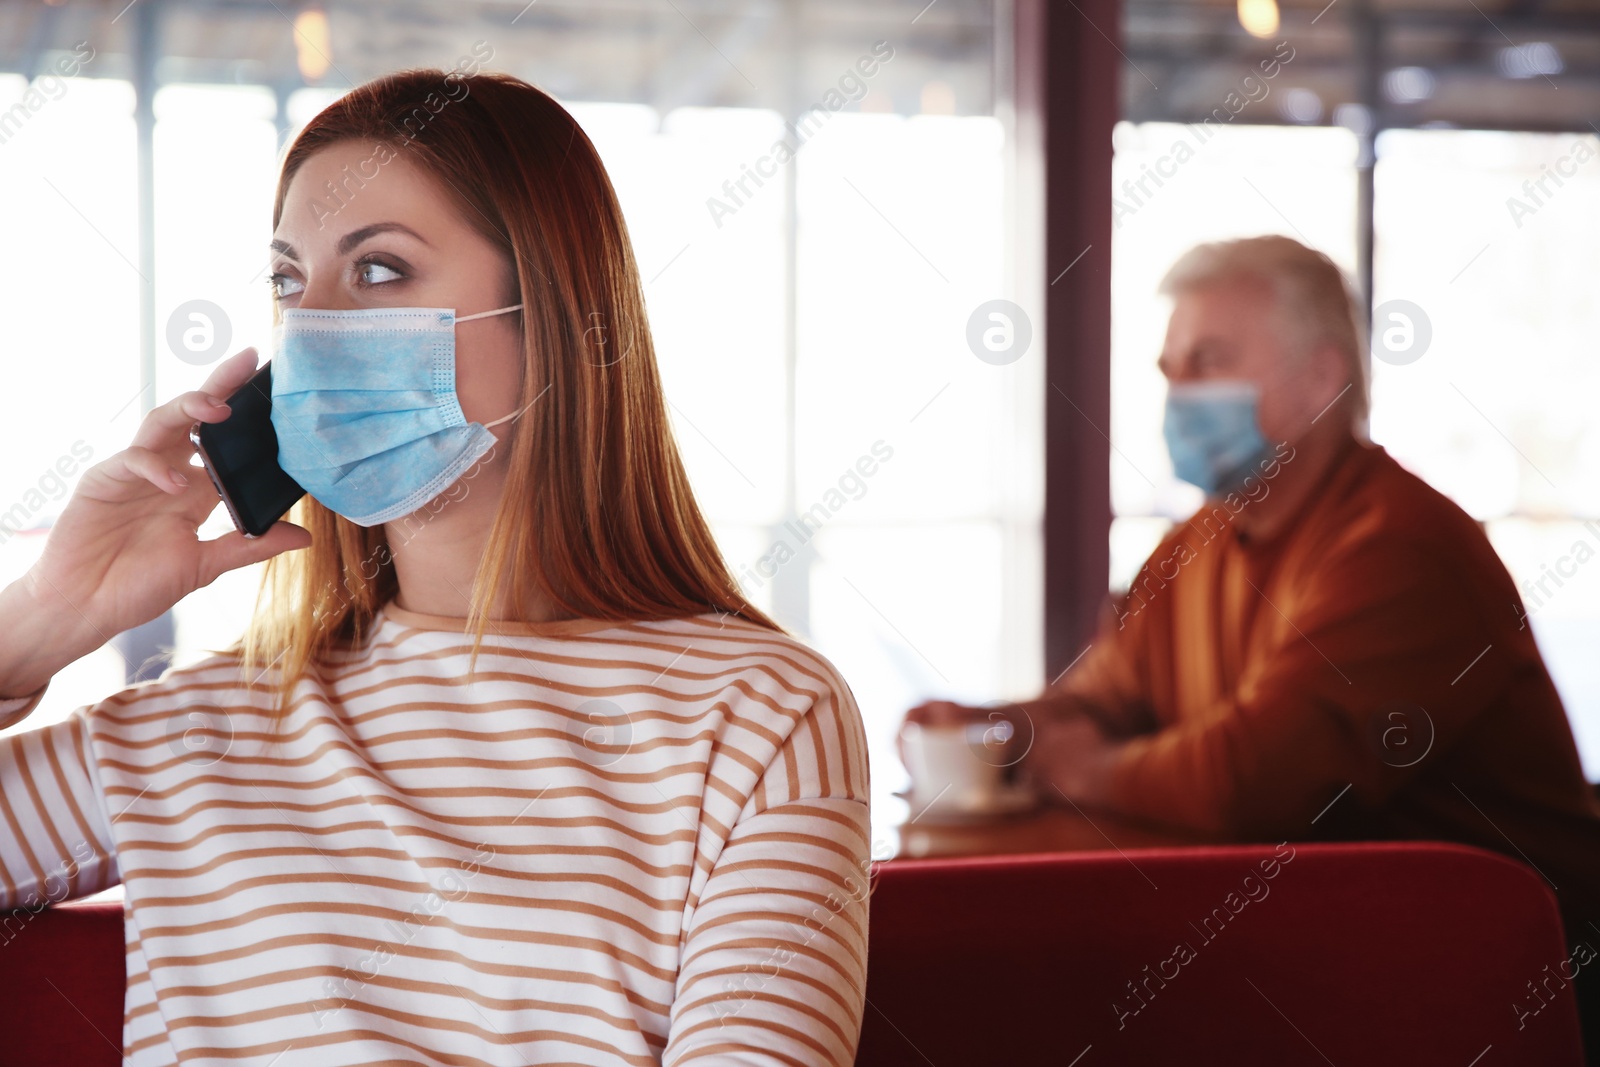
1370, 954
65, 969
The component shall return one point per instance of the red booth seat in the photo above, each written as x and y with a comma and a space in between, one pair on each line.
65, 971
1369, 954
1349, 954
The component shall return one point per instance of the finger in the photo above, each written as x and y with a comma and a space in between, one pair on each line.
167, 426
226, 377
900, 746
234, 550
946, 713
928, 712
141, 465
1015, 714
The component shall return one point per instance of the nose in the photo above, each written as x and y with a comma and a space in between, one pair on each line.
1175, 369
323, 293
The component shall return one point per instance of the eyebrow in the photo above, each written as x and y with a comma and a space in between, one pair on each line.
352, 239
1206, 347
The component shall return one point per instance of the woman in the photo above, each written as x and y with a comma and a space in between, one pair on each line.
626, 822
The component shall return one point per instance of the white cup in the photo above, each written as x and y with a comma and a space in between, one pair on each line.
957, 766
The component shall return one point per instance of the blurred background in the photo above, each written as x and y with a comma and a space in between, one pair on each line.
1444, 153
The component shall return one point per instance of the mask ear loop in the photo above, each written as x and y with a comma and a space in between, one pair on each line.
486, 314
514, 414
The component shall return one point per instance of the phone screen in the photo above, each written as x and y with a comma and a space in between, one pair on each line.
241, 455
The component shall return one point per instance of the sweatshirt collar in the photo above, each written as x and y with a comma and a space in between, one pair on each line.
418, 620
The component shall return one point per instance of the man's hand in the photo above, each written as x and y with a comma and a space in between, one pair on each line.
942, 712
1060, 743
1072, 760
949, 713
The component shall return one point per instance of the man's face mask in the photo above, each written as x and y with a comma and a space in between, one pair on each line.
365, 408
1212, 433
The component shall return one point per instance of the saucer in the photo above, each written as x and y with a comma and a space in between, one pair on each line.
1013, 800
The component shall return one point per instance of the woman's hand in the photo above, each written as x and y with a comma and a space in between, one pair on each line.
125, 548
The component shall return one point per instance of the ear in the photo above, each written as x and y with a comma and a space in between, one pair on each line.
1329, 371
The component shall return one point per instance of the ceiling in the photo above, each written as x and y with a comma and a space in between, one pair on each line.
1489, 64
752, 53
1479, 64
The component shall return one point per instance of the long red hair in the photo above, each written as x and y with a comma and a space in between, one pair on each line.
598, 515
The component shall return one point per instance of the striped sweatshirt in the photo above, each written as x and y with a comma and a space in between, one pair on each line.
615, 843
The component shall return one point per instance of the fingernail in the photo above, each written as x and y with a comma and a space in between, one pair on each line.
180, 479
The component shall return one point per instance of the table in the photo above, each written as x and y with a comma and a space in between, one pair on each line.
1049, 828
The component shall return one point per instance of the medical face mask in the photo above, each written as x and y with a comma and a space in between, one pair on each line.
365, 408
1212, 433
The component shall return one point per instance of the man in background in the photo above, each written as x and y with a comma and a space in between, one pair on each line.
1328, 648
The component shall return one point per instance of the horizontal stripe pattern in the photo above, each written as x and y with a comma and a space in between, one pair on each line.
620, 843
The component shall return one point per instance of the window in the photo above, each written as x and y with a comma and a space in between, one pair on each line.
1225, 183
72, 277
1492, 410
1495, 237
872, 483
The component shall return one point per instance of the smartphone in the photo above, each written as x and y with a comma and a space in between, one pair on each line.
240, 454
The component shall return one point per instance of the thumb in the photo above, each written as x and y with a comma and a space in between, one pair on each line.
940, 713
234, 550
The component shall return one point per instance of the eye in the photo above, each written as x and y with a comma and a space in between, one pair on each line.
1212, 358
373, 272
282, 285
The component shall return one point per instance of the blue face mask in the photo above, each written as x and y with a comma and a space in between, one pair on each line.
1212, 433
364, 404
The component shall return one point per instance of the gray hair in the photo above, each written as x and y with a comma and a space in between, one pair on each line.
1315, 301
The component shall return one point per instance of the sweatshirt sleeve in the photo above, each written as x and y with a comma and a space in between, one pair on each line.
1110, 678
14, 709
1383, 656
773, 965
55, 839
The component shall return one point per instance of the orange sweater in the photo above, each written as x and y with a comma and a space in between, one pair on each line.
1365, 674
